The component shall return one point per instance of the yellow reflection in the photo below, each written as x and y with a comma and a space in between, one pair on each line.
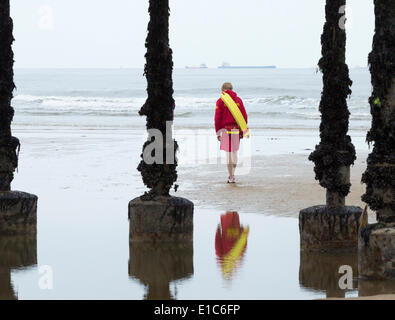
230, 243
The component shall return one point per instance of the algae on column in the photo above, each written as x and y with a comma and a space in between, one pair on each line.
335, 153
158, 108
8, 144
18, 210
376, 256
157, 216
334, 226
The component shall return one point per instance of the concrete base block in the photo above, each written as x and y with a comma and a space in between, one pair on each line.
163, 219
329, 229
156, 265
376, 252
320, 271
18, 213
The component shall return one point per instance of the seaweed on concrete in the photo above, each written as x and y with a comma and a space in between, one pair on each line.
9, 146
380, 173
335, 150
158, 108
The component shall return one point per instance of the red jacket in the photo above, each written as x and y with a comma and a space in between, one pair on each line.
223, 117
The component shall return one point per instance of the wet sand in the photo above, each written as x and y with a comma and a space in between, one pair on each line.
377, 297
280, 180
278, 185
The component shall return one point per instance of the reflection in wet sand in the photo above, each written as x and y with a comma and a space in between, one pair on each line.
156, 265
230, 243
375, 287
320, 271
15, 252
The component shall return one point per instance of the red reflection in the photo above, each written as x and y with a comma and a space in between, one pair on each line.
230, 242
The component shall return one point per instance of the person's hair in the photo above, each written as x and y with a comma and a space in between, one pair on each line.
227, 86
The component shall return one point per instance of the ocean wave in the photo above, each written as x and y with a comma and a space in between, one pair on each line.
186, 106
117, 103
282, 100
74, 101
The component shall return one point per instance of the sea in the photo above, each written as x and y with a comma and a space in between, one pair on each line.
111, 98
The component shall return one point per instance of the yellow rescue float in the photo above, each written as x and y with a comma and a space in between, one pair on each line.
236, 113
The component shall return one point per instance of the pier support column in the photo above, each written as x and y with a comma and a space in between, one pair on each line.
162, 219
333, 226
323, 228
17, 209
18, 213
376, 252
377, 241
157, 216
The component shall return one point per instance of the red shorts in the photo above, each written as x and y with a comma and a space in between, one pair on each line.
230, 139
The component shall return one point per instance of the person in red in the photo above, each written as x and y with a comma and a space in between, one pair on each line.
228, 131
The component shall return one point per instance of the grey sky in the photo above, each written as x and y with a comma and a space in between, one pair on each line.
104, 33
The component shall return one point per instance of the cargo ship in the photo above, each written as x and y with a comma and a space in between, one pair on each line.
202, 66
226, 65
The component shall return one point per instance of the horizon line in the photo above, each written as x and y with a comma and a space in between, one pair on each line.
54, 67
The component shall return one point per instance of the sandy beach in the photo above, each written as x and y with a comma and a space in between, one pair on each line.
278, 185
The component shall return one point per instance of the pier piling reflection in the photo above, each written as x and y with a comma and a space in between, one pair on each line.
16, 252
156, 265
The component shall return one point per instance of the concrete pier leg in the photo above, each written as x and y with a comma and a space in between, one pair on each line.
163, 219
334, 199
18, 213
376, 246
376, 251
325, 228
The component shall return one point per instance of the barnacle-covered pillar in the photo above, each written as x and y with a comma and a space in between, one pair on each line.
17, 209
377, 241
333, 226
157, 216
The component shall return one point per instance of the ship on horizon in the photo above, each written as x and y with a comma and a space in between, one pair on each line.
202, 66
226, 65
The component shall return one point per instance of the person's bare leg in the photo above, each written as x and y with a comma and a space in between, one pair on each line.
230, 165
234, 163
